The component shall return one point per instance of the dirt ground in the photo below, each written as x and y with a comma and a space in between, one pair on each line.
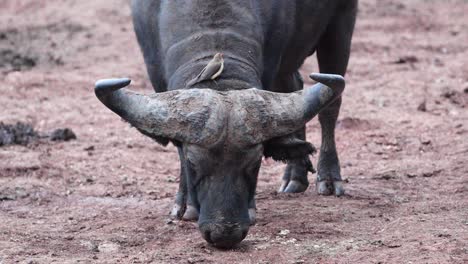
105, 197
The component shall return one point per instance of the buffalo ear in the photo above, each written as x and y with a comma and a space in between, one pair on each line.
288, 148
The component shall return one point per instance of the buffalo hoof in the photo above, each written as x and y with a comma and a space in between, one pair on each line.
283, 186
176, 211
252, 216
295, 187
191, 214
330, 188
292, 187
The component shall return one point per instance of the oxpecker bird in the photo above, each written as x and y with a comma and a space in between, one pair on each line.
212, 70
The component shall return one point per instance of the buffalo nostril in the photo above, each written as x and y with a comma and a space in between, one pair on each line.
224, 234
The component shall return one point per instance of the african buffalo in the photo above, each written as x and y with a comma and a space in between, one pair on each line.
255, 108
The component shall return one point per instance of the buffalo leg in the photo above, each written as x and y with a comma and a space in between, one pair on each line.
295, 175
183, 207
333, 55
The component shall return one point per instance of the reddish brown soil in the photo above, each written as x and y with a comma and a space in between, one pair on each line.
105, 197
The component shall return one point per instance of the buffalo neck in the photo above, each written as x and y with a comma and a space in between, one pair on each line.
237, 74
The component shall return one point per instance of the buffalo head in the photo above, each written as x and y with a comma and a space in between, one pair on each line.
222, 135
